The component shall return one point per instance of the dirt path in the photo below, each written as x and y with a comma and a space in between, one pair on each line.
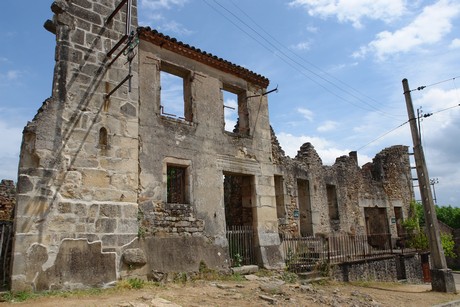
262, 291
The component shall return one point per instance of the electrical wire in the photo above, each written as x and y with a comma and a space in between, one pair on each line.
386, 133
285, 57
315, 66
433, 84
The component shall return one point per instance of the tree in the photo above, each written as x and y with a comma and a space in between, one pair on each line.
449, 215
418, 238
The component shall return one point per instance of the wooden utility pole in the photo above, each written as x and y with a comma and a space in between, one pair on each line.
442, 279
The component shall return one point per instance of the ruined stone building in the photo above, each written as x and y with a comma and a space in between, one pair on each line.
114, 182
7, 199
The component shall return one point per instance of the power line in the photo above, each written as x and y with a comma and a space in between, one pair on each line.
433, 84
285, 57
386, 133
313, 65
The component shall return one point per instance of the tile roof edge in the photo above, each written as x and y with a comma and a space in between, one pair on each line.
172, 44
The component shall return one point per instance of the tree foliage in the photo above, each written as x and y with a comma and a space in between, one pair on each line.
449, 215
418, 238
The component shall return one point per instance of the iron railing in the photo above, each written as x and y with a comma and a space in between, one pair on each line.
305, 253
241, 245
6, 245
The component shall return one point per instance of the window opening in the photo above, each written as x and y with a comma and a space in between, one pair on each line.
332, 202
236, 117
176, 184
175, 97
279, 198
305, 215
103, 138
230, 111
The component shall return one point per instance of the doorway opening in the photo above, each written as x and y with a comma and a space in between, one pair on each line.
304, 200
238, 202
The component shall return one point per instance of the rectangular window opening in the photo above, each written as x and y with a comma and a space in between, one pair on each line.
177, 184
236, 116
279, 197
305, 212
175, 98
332, 202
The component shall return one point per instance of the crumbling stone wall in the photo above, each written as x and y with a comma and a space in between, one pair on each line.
94, 168
384, 183
7, 199
78, 170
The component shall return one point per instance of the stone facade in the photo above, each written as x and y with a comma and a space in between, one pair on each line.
343, 198
7, 200
110, 178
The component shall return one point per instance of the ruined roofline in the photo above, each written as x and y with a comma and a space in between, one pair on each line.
172, 44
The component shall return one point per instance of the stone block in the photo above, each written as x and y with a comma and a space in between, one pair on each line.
95, 178
128, 226
130, 211
106, 225
25, 184
134, 256
110, 210
64, 208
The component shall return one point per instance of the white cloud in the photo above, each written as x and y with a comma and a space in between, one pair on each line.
312, 29
354, 11
152, 14
328, 125
10, 75
302, 46
428, 28
9, 151
175, 27
439, 137
327, 150
161, 4
455, 44
306, 113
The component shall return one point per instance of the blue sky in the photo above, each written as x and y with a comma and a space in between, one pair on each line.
338, 66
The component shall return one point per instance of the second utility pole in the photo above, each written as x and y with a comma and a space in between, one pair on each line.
442, 279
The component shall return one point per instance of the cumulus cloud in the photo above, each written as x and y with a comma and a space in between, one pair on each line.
302, 46
439, 134
354, 11
327, 150
306, 113
152, 14
161, 4
429, 27
175, 27
455, 44
312, 29
328, 125
10, 75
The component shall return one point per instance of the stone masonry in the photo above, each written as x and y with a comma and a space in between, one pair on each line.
7, 200
113, 185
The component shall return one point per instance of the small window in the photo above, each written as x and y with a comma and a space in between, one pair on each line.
236, 116
175, 98
103, 138
332, 202
176, 184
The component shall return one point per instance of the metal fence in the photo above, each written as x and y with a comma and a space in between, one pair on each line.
6, 245
241, 245
305, 253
